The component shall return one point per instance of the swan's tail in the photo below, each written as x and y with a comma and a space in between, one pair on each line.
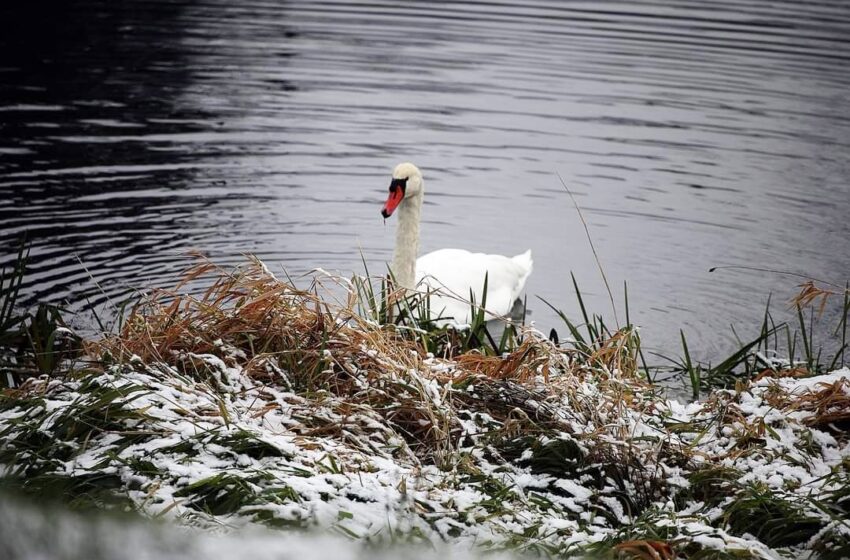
526, 264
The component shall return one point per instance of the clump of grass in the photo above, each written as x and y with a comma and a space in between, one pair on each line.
658, 534
774, 519
90, 492
31, 343
221, 494
779, 349
828, 406
711, 485
262, 401
596, 347
277, 333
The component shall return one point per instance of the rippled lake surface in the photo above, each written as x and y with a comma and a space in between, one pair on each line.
693, 134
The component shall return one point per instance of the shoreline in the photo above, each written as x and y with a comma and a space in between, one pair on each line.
262, 404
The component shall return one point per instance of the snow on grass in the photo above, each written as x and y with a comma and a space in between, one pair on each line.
209, 455
261, 406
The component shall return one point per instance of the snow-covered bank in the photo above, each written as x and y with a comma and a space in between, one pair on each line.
169, 446
317, 420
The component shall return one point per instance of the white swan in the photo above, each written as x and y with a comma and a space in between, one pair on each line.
449, 274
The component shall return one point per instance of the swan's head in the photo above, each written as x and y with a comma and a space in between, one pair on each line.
406, 183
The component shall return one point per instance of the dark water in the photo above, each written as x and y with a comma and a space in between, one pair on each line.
693, 134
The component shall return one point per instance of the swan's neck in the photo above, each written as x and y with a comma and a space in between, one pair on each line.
407, 242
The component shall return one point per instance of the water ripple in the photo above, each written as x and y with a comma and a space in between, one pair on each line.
692, 134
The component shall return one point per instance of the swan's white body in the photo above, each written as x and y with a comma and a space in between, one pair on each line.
449, 275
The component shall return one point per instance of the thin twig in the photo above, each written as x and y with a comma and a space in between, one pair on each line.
96, 283
774, 271
592, 248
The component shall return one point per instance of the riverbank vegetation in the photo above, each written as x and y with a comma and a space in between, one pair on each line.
256, 402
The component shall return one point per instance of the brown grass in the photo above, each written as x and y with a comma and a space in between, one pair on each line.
645, 550
796, 373
829, 406
278, 334
809, 294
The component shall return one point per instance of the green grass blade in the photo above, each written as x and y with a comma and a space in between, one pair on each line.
806, 348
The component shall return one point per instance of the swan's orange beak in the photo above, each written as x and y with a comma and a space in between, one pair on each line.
395, 198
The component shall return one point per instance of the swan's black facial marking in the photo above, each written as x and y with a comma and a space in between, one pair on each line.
398, 183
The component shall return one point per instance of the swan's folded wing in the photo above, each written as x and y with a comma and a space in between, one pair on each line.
453, 272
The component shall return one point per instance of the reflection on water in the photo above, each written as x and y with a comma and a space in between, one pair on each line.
693, 134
